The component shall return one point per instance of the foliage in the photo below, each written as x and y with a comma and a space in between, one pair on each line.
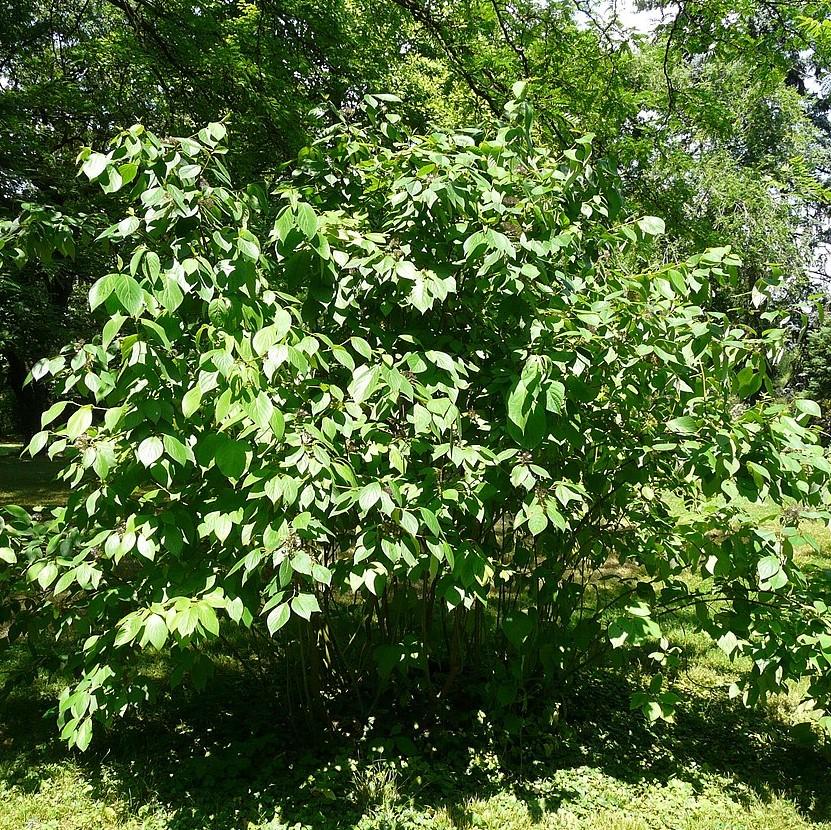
434, 373
40, 310
717, 119
815, 370
75, 72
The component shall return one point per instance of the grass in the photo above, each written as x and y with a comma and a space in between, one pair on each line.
28, 482
227, 759
224, 760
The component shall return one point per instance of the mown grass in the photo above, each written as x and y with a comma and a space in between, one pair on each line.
227, 758
29, 482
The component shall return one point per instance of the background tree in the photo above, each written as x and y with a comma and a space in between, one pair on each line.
716, 119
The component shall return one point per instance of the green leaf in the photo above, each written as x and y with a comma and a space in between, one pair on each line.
207, 618
129, 294
306, 220
420, 296
321, 574
277, 424
231, 457
94, 165
38, 442
248, 244
809, 407
128, 226
430, 520
527, 420
652, 225
266, 337
748, 382
176, 449
155, 632
370, 495
685, 425
537, 522
282, 323
278, 617
191, 401
64, 582
260, 410
150, 451
364, 383
170, 295
47, 574
304, 605
83, 734
53, 412
101, 289
771, 575
127, 172
79, 422
111, 329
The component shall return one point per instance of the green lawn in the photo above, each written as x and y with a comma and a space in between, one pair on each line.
224, 759
28, 482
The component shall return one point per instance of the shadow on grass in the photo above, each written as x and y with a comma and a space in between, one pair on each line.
30, 482
230, 756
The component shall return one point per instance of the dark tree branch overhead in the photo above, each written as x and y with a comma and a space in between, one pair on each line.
515, 47
453, 51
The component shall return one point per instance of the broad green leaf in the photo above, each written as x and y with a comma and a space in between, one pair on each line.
94, 166
83, 734
231, 457
304, 605
155, 632
38, 442
248, 244
101, 289
53, 412
809, 407
79, 422
652, 225
260, 410
537, 522
685, 425
277, 618
150, 451
306, 220
207, 618
191, 401
370, 495
176, 449
364, 383
129, 294
47, 575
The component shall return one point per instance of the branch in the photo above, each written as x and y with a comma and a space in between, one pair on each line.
423, 16
518, 51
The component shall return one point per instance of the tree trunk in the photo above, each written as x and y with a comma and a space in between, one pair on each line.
30, 400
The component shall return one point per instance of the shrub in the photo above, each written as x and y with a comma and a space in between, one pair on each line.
432, 375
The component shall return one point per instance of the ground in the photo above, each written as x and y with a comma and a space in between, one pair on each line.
224, 759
